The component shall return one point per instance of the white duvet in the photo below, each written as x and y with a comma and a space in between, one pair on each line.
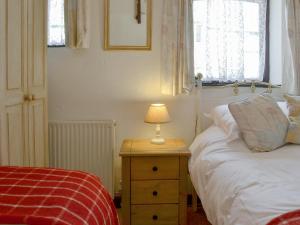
239, 187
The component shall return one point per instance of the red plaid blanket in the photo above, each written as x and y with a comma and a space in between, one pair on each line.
39, 196
291, 218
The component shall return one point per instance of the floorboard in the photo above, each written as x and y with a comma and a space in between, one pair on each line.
197, 218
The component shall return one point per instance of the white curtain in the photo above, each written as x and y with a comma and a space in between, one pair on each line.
291, 47
230, 37
77, 23
177, 72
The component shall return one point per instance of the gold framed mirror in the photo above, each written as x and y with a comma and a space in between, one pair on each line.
127, 24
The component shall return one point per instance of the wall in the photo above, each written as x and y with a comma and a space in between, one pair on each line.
97, 84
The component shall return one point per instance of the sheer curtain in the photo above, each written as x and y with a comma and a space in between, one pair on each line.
177, 58
68, 23
291, 47
230, 39
77, 23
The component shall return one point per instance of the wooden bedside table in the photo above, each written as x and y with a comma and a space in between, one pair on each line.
154, 182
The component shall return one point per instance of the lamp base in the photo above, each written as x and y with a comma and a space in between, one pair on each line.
158, 141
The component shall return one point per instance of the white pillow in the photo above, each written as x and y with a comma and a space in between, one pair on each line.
223, 118
284, 107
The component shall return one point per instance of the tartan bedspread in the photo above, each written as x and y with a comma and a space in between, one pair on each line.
40, 196
291, 218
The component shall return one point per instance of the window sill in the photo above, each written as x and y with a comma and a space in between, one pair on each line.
215, 83
56, 46
212, 84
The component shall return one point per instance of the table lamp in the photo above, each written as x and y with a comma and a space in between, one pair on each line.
157, 114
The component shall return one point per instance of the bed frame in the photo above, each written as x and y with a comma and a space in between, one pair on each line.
219, 95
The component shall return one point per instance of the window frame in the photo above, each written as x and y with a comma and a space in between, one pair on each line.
266, 74
54, 45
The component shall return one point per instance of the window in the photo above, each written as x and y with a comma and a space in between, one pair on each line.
56, 24
230, 39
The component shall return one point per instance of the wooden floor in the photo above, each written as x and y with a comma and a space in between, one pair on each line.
194, 218
197, 218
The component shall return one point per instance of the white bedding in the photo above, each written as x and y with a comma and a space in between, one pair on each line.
239, 187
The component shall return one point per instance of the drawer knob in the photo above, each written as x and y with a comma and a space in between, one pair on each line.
155, 193
155, 169
155, 217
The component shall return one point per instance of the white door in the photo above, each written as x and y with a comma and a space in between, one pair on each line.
37, 83
13, 86
23, 95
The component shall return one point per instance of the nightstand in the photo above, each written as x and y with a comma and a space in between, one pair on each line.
154, 182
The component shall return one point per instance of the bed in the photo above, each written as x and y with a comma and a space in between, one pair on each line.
239, 187
40, 196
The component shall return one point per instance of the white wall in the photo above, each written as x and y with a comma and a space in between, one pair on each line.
97, 84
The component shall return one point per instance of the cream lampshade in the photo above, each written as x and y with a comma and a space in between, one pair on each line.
157, 114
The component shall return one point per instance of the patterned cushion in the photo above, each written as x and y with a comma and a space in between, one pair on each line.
262, 123
293, 103
293, 135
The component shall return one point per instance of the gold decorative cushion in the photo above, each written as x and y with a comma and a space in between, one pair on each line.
293, 103
293, 135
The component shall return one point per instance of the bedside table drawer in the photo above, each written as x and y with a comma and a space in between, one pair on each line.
152, 168
154, 215
154, 192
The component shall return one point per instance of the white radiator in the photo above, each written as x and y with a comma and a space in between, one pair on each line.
84, 145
